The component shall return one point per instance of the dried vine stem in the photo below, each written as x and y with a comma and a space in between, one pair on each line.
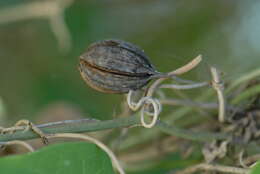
27, 125
112, 156
189, 86
209, 167
204, 105
240, 159
189, 66
219, 87
20, 143
177, 102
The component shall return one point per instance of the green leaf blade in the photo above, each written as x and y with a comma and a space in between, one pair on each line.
67, 158
256, 168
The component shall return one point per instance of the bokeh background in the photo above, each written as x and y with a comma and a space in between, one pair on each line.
41, 40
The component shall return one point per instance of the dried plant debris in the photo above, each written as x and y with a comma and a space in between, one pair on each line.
214, 150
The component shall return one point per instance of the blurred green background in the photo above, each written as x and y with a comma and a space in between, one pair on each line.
40, 46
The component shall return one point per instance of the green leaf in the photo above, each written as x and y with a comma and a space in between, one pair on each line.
67, 158
256, 168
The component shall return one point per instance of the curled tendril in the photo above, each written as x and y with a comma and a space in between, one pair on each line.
144, 102
156, 111
147, 101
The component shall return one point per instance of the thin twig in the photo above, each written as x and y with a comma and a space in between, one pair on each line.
189, 86
181, 80
178, 71
211, 167
36, 130
210, 105
177, 102
20, 143
219, 87
189, 66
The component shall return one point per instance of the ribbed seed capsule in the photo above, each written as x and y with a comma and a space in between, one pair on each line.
114, 66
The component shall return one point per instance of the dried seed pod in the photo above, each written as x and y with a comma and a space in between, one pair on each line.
114, 66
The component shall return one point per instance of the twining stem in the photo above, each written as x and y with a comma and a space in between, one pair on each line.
86, 125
